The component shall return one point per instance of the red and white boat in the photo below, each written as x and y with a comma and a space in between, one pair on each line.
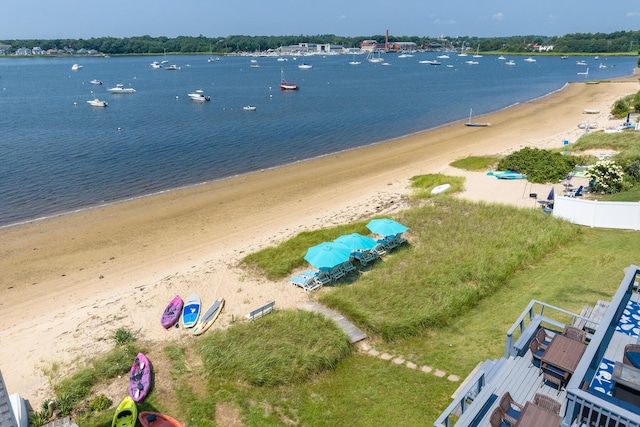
285, 85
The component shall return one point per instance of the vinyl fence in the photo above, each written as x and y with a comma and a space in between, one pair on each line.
592, 213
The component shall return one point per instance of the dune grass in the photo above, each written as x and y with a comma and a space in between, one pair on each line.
626, 143
459, 253
284, 348
475, 163
423, 184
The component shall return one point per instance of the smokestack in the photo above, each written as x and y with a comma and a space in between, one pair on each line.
386, 40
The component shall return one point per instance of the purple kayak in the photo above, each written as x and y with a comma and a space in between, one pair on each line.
172, 312
140, 378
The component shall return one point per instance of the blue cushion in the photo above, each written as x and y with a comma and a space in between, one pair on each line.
634, 358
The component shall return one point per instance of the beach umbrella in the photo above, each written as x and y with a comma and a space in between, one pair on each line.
551, 195
327, 255
357, 242
386, 227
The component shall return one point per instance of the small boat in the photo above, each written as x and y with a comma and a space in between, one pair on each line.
281, 59
585, 73
564, 57
95, 82
140, 378
285, 85
386, 64
97, 103
475, 124
590, 111
120, 89
430, 62
472, 62
353, 61
510, 62
249, 108
305, 66
581, 63
76, 67
374, 59
126, 414
443, 56
529, 59
199, 96
156, 64
156, 419
172, 312
501, 58
209, 317
172, 67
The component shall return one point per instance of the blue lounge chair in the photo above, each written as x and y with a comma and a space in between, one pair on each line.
348, 267
365, 257
337, 273
575, 193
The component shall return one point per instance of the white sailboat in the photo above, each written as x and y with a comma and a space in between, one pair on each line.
474, 124
584, 73
353, 61
477, 55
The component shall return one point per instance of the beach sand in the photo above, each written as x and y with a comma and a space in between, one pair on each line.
69, 282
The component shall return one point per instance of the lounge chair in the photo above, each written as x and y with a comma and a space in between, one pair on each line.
510, 408
575, 193
365, 257
379, 250
547, 403
306, 283
631, 355
348, 267
323, 277
337, 273
574, 333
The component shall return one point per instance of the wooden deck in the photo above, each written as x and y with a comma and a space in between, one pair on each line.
518, 378
349, 328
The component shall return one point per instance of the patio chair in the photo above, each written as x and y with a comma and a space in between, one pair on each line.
536, 352
631, 355
337, 273
510, 408
543, 338
303, 282
379, 250
547, 403
365, 257
323, 278
348, 267
555, 376
574, 333
575, 193
496, 419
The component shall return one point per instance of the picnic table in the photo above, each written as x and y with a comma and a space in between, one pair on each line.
534, 416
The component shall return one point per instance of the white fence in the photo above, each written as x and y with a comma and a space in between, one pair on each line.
592, 213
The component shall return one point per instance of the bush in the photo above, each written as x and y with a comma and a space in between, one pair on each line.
632, 170
620, 108
606, 176
99, 403
123, 336
540, 166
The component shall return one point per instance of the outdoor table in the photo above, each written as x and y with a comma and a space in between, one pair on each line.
564, 354
534, 416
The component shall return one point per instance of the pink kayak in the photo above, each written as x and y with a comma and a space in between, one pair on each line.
172, 312
140, 378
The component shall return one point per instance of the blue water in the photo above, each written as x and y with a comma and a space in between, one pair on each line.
58, 154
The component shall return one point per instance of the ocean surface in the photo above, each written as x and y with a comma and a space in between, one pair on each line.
58, 154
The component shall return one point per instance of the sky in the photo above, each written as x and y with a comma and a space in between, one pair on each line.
83, 19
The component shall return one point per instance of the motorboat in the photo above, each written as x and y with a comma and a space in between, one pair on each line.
584, 63
281, 59
529, 59
472, 62
443, 56
430, 62
97, 102
172, 67
285, 85
76, 67
510, 62
156, 64
501, 58
305, 66
249, 108
254, 65
120, 89
95, 82
199, 96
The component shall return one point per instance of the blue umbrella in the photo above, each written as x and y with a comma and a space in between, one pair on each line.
327, 255
386, 227
357, 242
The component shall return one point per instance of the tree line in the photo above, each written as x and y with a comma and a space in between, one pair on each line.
582, 43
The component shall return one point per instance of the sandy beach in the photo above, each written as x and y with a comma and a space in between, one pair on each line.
70, 282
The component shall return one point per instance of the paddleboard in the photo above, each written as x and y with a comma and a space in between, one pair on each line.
19, 407
440, 189
140, 378
209, 317
191, 311
172, 312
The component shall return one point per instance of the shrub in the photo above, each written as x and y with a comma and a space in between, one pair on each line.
540, 166
632, 170
606, 176
100, 403
620, 108
123, 336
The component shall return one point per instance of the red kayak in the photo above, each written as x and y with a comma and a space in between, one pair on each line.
156, 419
172, 312
140, 378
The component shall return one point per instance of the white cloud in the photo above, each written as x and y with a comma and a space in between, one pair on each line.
342, 17
632, 14
439, 21
498, 16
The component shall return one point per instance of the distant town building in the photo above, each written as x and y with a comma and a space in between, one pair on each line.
5, 49
541, 48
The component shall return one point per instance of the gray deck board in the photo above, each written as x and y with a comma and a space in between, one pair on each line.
349, 328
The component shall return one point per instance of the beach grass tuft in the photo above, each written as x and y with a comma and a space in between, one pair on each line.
284, 348
423, 184
475, 163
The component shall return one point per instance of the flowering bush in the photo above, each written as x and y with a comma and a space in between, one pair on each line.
606, 176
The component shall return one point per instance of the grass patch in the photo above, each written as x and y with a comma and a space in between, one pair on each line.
476, 163
460, 253
625, 143
286, 347
423, 184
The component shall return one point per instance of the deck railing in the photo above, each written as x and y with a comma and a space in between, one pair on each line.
462, 400
583, 406
536, 314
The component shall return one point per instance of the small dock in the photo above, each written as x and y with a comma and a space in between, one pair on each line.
355, 334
